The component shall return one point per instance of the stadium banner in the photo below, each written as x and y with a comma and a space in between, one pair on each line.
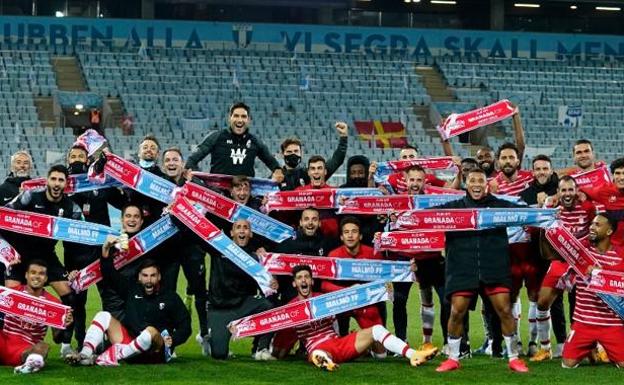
290, 38
91, 141
409, 241
146, 240
183, 209
570, 116
473, 219
457, 124
33, 309
259, 186
346, 269
76, 183
47, 226
8, 255
592, 179
385, 169
87, 276
310, 309
232, 211
607, 282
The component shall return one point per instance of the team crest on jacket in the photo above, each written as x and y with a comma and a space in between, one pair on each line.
161, 305
238, 155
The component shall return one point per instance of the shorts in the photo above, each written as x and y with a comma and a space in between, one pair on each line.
583, 338
151, 356
285, 339
56, 270
430, 272
488, 290
341, 349
12, 349
367, 316
556, 270
525, 267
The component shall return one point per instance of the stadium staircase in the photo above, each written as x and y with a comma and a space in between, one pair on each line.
437, 89
68, 74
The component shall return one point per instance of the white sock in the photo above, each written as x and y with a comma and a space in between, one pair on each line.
512, 346
391, 342
95, 332
427, 315
533, 322
453, 346
137, 346
543, 328
516, 311
35, 360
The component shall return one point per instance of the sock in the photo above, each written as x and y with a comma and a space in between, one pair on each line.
486, 324
391, 342
532, 322
516, 311
512, 346
454, 344
138, 345
543, 328
95, 333
427, 315
35, 360
68, 300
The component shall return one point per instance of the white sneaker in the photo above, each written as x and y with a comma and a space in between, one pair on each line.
264, 355
110, 357
204, 344
558, 351
66, 351
30, 366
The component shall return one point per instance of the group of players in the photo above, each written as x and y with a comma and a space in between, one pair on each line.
143, 319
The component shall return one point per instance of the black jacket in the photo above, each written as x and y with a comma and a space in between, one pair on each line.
152, 208
529, 195
229, 285
477, 257
10, 188
232, 154
35, 201
298, 176
161, 310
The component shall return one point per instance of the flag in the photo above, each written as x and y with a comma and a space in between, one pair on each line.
304, 80
235, 76
382, 134
405, 81
570, 116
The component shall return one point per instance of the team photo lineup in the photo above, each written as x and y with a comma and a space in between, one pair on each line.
462, 231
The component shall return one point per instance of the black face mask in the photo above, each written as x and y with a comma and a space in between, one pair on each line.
78, 168
292, 160
358, 182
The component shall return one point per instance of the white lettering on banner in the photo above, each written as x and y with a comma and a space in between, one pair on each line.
246, 326
618, 284
116, 166
339, 301
509, 217
366, 269
568, 247
274, 319
189, 214
6, 301
240, 254
441, 220
31, 309
158, 188
18, 221
204, 198
418, 241
370, 293
158, 231
238, 155
81, 232
300, 199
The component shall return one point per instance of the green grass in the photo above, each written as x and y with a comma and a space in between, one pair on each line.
192, 368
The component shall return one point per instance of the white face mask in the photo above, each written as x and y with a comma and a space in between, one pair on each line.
146, 163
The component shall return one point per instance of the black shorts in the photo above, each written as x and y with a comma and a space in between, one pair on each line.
56, 270
430, 272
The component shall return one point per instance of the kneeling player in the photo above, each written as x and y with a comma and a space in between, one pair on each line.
21, 341
155, 323
326, 349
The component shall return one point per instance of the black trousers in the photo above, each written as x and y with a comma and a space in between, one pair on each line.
193, 264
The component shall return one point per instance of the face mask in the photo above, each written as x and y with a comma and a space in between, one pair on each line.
78, 168
358, 182
146, 163
292, 160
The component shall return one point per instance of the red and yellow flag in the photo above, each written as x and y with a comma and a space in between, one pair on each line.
386, 134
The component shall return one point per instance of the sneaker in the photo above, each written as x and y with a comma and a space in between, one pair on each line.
542, 355
264, 355
558, 351
465, 352
28, 367
109, 357
532, 349
517, 365
483, 348
601, 356
426, 346
448, 365
421, 356
66, 350
80, 359
322, 360
166, 348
